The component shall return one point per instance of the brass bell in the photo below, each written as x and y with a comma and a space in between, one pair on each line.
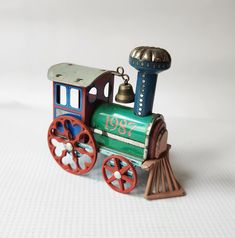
125, 93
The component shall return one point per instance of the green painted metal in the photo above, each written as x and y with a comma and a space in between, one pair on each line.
120, 120
107, 151
128, 149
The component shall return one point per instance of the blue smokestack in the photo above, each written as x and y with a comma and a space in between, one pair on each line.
149, 61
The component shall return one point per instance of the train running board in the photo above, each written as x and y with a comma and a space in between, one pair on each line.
161, 182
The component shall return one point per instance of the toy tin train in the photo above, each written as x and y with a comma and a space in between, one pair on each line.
86, 121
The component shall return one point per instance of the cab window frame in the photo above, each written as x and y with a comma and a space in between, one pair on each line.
57, 97
68, 88
79, 95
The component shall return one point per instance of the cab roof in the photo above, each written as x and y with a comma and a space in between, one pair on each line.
76, 75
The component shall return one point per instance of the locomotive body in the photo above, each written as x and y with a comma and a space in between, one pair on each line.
117, 128
87, 122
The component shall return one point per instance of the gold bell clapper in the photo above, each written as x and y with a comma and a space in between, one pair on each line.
125, 91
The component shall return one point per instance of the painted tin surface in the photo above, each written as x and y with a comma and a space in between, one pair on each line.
120, 146
73, 74
116, 127
66, 108
149, 61
144, 93
120, 120
108, 152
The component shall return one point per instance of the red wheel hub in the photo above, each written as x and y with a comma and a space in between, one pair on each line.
72, 145
119, 173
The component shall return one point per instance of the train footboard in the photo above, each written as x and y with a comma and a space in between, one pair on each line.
161, 181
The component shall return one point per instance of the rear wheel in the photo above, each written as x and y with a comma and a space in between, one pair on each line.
72, 145
119, 173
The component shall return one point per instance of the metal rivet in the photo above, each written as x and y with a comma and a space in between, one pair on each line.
141, 100
140, 109
143, 75
139, 113
143, 81
141, 95
141, 104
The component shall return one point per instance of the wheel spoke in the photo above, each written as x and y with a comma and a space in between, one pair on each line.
83, 151
60, 138
68, 133
124, 169
109, 168
75, 159
116, 163
111, 179
127, 179
121, 185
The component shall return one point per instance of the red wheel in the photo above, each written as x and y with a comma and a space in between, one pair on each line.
72, 145
119, 173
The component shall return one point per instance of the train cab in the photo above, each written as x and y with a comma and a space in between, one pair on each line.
78, 89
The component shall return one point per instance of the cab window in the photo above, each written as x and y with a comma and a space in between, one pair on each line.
75, 98
61, 95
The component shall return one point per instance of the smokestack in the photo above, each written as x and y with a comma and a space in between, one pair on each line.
149, 61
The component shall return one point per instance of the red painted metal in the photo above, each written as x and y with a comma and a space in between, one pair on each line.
66, 136
99, 84
67, 109
53, 98
157, 127
125, 183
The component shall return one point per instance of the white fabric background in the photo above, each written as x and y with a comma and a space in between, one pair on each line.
196, 96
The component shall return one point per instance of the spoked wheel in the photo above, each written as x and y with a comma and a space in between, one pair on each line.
72, 145
119, 173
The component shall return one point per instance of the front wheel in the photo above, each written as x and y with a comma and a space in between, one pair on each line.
119, 173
